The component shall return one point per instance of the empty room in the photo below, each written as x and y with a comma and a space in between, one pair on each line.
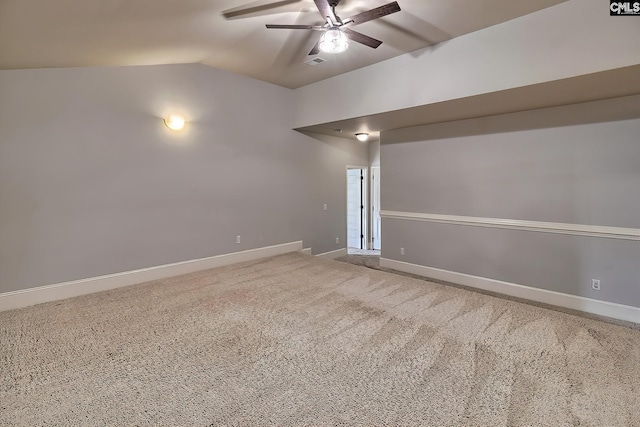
319, 213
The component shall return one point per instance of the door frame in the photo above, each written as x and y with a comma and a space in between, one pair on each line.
372, 217
365, 203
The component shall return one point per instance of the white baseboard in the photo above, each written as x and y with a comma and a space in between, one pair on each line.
306, 251
589, 305
333, 254
27, 297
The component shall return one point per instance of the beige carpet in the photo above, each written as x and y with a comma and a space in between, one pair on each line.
298, 340
371, 261
357, 251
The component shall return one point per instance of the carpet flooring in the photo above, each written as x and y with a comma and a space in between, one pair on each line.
357, 251
298, 340
371, 261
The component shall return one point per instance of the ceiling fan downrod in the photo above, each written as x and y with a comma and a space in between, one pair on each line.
338, 20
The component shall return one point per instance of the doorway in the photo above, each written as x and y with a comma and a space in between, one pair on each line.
356, 212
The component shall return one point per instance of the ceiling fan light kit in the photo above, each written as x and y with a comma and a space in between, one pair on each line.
333, 41
336, 31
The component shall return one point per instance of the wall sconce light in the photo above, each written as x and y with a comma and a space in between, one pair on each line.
175, 122
362, 137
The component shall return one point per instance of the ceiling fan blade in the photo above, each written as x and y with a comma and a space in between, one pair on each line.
325, 10
257, 9
361, 38
376, 13
315, 49
294, 48
296, 27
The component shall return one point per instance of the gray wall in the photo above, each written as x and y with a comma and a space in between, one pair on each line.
92, 182
515, 167
374, 153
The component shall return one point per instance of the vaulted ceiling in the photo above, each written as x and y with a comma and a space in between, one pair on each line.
229, 34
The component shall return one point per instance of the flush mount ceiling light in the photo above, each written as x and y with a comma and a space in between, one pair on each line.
362, 136
333, 41
175, 122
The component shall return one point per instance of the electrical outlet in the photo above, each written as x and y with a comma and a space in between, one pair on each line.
325, 207
237, 239
337, 240
595, 284
401, 251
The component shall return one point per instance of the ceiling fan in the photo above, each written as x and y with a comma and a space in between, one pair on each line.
337, 31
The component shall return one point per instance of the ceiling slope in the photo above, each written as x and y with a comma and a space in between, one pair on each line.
228, 34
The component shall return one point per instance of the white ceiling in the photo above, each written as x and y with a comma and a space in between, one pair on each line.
81, 33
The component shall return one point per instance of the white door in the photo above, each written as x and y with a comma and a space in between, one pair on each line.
376, 232
355, 208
